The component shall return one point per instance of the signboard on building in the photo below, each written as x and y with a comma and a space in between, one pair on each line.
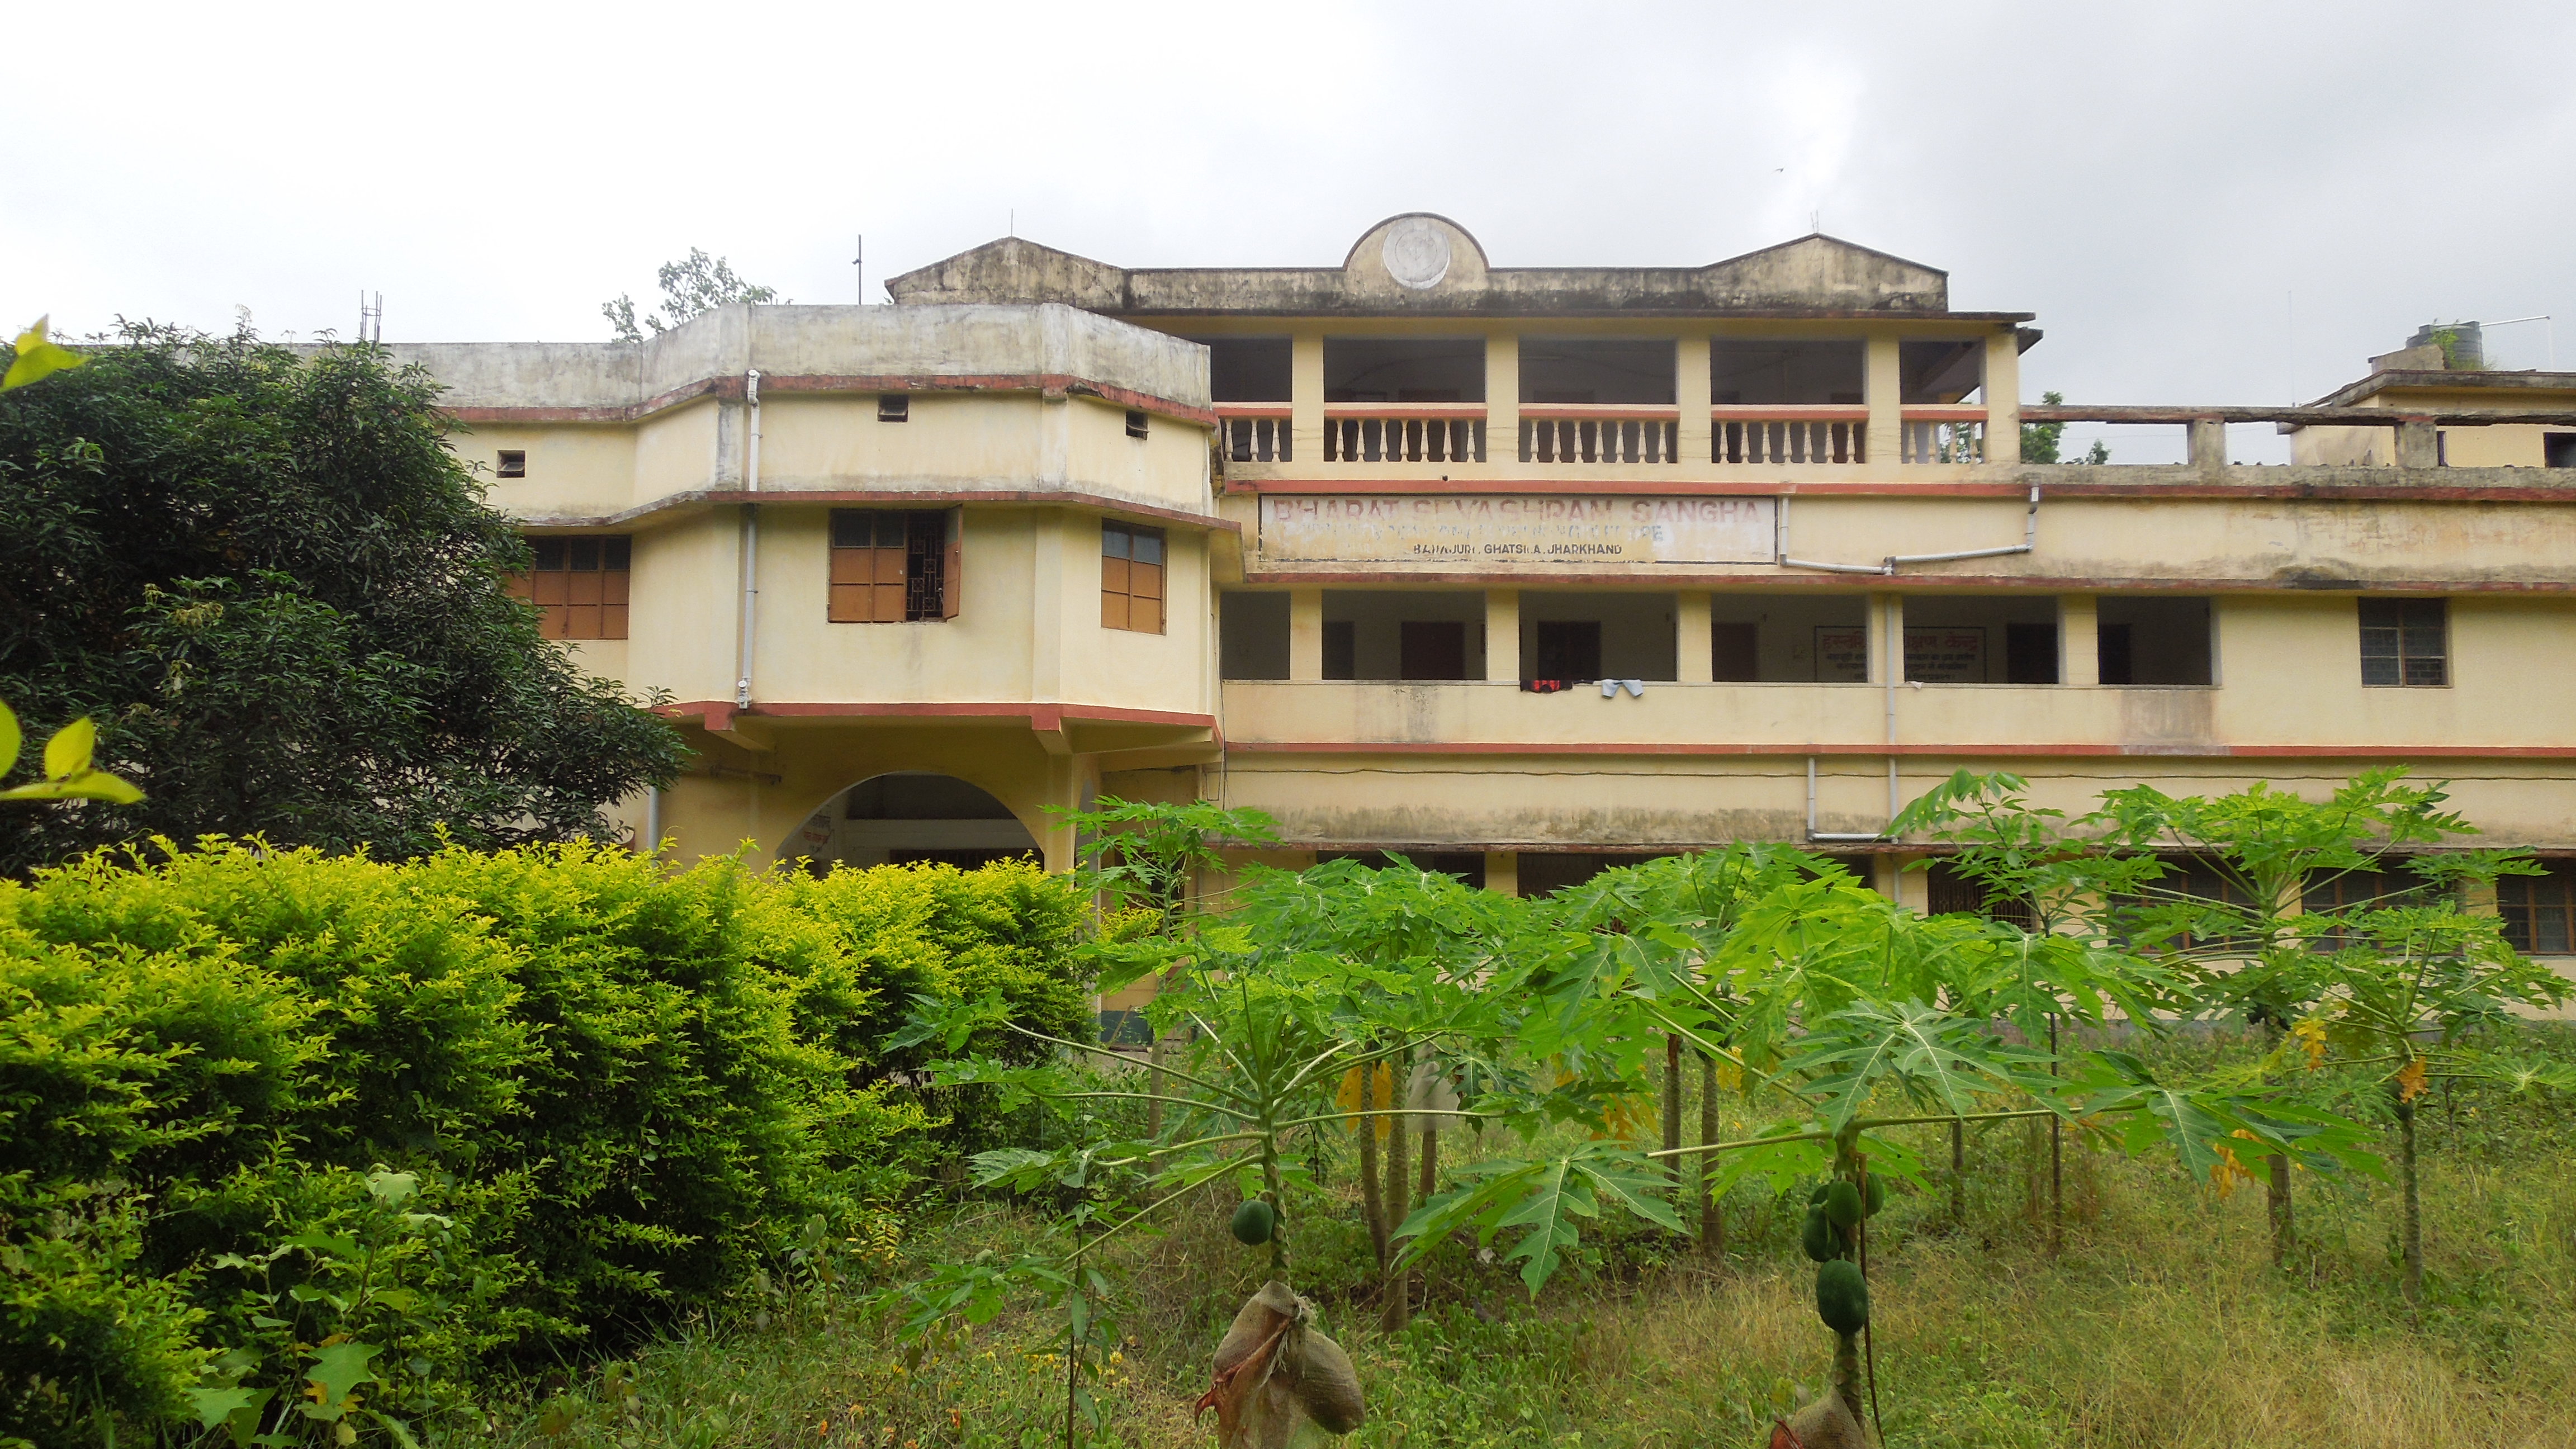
1933, 654
1501, 533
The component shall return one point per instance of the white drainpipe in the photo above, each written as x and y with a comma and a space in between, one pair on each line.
750, 541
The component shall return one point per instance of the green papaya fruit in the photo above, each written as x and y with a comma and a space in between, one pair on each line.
1842, 1204
1877, 1194
1818, 1195
1842, 1296
1254, 1222
1819, 1238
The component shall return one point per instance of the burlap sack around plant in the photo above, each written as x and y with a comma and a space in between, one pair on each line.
1825, 1424
1278, 1376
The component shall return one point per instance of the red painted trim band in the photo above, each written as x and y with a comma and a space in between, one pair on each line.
1045, 717
730, 389
1880, 751
672, 503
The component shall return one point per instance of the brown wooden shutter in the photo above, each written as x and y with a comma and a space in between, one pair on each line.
886, 588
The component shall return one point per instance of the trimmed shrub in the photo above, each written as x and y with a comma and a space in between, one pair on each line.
452, 1112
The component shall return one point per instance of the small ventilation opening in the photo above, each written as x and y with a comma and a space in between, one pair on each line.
514, 463
1135, 422
894, 407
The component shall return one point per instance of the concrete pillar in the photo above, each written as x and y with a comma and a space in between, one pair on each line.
1306, 396
2003, 397
2419, 444
1691, 633
1503, 872
1503, 635
1502, 395
1305, 633
1910, 888
2079, 639
1690, 389
2208, 444
1886, 626
1883, 388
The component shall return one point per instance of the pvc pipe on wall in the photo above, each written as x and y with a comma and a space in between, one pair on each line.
750, 541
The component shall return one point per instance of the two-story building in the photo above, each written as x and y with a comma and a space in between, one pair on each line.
1518, 570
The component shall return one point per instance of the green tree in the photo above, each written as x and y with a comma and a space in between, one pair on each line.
697, 283
2040, 441
264, 574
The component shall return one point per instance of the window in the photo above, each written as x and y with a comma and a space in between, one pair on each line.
579, 586
1949, 891
894, 568
1431, 649
2540, 910
1341, 649
1135, 422
894, 407
2153, 640
2405, 642
2345, 892
2558, 450
514, 463
1567, 649
1131, 578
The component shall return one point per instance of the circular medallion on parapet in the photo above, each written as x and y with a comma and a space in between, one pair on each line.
1416, 252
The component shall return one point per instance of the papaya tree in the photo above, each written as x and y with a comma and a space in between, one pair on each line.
2252, 919
2419, 991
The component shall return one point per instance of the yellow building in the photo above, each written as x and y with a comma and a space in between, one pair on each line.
1523, 570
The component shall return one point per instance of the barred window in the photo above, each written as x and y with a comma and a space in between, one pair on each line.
2539, 911
1949, 891
894, 568
2405, 642
1131, 578
579, 585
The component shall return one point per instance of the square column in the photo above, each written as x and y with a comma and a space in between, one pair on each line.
1883, 388
1503, 872
1691, 441
1691, 638
1305, 633
2079, 639
1306, 397
1503, 635
1502, 395
2003, 398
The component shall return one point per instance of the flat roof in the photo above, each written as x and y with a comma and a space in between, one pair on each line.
1422, 265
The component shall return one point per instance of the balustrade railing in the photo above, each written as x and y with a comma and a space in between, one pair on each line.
1254, 432
1404, 433
1944, 434
1789, 434
1605, 433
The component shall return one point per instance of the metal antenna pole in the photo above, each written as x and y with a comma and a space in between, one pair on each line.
858, 268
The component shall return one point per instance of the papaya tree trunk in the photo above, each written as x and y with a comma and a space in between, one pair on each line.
1712, 1218
1673, 1105
1398, 1308
2056, 1158
1429, 1183
2276, 1190
1958, 1174
2413, 1222
1372, 1200
1847, 1375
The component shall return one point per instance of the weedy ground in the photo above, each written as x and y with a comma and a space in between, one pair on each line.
2160, 1321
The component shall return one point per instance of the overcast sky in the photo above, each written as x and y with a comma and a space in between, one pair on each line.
2168, 186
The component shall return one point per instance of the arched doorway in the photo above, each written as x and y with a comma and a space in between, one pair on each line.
909, 816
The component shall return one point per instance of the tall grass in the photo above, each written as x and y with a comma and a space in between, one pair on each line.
2160, 1323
